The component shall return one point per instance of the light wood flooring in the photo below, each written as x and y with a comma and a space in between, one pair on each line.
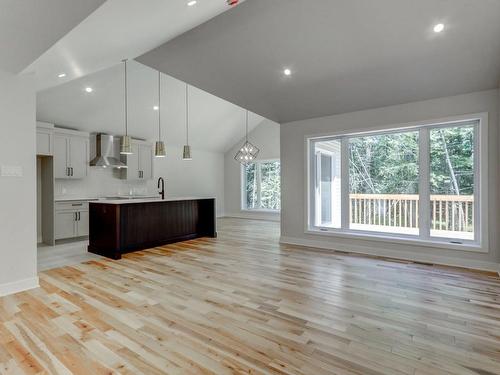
244, 304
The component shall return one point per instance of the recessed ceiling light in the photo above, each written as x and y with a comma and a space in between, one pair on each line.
438, 28
61, 75
191, 3
89, 89
155, 108
287, 72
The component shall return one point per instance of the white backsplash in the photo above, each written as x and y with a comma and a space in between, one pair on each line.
102, 183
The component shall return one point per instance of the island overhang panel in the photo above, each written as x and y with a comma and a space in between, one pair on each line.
119, 227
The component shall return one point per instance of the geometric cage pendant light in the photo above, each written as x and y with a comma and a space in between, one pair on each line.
247, 152
126, 141
159, 146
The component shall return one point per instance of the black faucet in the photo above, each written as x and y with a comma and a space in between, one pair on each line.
161, 182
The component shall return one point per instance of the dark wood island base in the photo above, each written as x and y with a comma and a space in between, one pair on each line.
122, 226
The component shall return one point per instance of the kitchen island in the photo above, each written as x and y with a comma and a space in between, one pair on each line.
122, 226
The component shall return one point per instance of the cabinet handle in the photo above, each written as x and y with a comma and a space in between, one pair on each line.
77, 204
67, 171
76, 216
71, 171
79, 216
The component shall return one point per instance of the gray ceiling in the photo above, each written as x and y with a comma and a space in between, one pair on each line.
29, 27
344, 55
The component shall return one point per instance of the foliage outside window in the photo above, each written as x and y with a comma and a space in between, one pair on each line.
421, 182
261, 185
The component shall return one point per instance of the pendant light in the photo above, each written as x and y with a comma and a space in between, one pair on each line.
126, 141
248, 152
159, 146
186, 152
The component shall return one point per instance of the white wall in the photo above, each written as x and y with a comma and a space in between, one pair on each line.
17, 194
100, 182
266, 137
201, 177
293, 175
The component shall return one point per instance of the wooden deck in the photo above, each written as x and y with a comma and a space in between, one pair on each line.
242, 303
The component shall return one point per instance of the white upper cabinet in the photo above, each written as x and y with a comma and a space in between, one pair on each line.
140, 163
44, 139
78, 156
146, 161
71, 154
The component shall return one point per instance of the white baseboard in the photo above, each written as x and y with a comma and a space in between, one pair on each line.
18, 286
254, 216
425, 258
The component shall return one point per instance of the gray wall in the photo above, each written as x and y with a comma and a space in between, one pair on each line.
294, 174
266, 137
17, 194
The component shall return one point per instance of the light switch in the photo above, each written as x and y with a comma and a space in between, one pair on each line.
11, 171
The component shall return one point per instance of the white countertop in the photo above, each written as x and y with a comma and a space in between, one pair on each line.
150, 200
121, 197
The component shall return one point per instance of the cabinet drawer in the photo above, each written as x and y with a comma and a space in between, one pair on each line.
72, 206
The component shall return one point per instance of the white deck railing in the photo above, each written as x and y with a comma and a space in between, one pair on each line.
454, 213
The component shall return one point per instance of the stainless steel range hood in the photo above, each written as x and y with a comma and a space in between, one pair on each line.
106, 152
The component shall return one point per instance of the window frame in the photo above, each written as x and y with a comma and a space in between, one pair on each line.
480, 242
243, 192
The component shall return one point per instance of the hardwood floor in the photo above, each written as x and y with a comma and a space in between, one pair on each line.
242, 303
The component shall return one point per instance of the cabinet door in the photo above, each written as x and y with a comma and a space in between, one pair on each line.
43, 142
78, 157
60, 156
132, 170
83, 223
64, 224
146, 161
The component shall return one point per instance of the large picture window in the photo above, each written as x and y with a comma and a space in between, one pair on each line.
261, 186
421, 182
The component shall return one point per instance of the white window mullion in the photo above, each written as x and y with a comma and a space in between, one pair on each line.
258, 177
344, 182
424, 213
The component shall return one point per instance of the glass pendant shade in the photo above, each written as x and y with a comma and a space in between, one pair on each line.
160, 149
126, 145
186, 153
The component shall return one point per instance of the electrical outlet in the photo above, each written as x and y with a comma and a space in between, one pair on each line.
11, 171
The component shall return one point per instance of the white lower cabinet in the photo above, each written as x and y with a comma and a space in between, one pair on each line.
64, 225
71, 220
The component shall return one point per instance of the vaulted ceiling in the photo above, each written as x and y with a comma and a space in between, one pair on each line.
215, 124
29, 27
117, 30
343, 55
